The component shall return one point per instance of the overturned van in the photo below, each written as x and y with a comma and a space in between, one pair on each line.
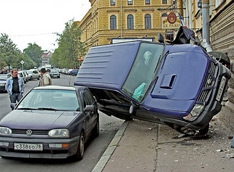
179, 85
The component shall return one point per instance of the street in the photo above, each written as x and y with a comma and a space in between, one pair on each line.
93, 152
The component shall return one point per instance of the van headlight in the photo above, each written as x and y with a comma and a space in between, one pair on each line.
194, 114
59, 133
5, 131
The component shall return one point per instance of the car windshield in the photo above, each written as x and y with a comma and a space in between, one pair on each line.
43, 99
29, 72
3, 77
143, 70
54, 71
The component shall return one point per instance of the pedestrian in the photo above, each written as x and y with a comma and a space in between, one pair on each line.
15, 87
45, 78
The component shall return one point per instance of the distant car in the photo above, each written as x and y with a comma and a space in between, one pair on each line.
27, 75
3, 79
50, 122
23, 75
34, 74
54, 73
74, 72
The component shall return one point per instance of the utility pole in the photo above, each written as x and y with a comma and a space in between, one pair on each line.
205, 22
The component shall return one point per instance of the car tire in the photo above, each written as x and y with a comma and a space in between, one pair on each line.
80, 149
204, 131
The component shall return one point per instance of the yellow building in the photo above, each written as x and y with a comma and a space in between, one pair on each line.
109, 19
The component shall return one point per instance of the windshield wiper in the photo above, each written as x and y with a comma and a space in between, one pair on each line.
46, 109
26, 108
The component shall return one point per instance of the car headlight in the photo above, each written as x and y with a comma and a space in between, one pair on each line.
5, 131
59, 133
194, 114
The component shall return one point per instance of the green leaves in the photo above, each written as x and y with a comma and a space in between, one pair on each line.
34, 52
70, 47
9, 53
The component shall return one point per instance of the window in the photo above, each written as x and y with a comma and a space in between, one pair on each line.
112, 2
164, 15
130, 21
218, 2
88, 98
147, 1
113, 22
143, 70
130, 2
164, 1
148, 21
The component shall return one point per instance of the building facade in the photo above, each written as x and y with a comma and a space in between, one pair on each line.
109, 19
222, 39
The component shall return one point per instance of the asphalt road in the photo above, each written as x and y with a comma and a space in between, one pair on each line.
93, 152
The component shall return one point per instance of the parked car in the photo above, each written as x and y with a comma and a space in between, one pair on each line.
178, 84
33, 74
3, 79
65, 71
53, 122
54, 73
74, 72
23, 75
27, 75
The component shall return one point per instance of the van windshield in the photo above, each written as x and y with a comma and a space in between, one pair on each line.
143, 70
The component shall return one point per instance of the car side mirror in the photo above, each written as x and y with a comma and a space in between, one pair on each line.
89, 108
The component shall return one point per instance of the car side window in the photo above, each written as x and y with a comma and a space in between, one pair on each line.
88, 98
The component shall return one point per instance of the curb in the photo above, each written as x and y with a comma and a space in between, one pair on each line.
110, 149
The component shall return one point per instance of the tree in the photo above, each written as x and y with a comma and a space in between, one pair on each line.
70, 48
34, 52
9, 53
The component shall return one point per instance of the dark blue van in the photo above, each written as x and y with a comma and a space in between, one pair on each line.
179, 85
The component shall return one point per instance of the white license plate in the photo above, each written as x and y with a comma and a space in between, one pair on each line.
221, 88
27, 146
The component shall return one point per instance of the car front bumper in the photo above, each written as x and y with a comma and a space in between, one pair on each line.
7, 148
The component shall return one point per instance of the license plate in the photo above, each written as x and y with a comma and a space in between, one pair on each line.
221, 88
27, 146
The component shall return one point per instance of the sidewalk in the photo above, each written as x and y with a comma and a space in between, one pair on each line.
141, 146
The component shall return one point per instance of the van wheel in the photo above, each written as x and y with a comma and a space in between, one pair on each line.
204, 131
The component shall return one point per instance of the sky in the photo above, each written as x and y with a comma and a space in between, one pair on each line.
38, 21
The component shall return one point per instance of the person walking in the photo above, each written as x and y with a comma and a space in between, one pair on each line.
15, 86
45, 78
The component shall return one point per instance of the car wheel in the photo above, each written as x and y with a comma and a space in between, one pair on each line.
80, 149
204, 131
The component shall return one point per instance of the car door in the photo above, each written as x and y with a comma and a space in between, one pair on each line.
91, 116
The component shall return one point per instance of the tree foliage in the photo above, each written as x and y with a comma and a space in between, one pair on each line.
70, 48
34, 52
9, 53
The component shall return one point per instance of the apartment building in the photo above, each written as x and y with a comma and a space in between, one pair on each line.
109, 19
